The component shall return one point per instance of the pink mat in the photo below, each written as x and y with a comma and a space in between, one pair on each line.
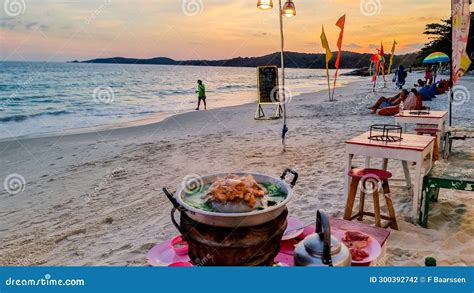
163, 254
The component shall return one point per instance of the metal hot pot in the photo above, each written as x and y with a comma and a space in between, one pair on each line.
233, 239
246, 219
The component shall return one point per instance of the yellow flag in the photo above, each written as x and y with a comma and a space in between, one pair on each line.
464, 64
391, 56
324, 42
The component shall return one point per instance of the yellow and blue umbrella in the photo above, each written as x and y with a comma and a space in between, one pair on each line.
436, 57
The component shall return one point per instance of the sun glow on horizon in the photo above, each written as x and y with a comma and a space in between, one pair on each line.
206, 29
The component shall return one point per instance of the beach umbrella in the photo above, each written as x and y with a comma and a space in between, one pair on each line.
436, 57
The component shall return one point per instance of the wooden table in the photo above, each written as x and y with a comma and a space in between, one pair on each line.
412, 148
434, 117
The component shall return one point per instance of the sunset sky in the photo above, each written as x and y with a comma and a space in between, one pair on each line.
64, 30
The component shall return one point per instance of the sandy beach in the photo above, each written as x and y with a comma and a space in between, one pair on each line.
95, 198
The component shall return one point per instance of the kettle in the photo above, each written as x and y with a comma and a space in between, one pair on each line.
321, 248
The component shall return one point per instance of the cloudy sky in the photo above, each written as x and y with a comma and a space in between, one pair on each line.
48, 30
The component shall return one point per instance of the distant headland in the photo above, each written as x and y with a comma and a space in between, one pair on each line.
292, 60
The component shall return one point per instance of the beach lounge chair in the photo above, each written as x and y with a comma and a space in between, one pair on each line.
455, 133
457, 174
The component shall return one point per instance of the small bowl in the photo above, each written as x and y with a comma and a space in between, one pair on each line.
181, 264
182, 248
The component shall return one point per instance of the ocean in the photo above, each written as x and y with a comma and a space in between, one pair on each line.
39, 98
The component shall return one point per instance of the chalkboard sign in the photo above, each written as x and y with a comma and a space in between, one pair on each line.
267, 78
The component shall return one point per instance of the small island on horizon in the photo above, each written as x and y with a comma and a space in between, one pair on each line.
349, 60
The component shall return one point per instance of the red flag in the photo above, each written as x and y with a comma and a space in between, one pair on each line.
340, 23
382, 61
375, 60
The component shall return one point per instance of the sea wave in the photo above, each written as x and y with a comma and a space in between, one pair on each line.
20, 117
304, 77
14, 118
174, 92
236, 86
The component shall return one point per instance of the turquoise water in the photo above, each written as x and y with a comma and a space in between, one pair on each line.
38, 98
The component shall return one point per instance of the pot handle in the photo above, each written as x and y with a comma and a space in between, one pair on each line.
171, 198
176, 206
175, 223
324, 231
295, 176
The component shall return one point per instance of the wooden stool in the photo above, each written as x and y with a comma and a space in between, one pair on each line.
374, 177
432, 132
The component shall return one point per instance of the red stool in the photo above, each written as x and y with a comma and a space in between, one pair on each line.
378, 179
433, 132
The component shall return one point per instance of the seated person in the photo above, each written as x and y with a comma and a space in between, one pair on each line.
384, 102
411, 102
420, 83
430, 92
446, 84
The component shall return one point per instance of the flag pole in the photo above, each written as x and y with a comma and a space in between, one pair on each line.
451, 95
282, 89
329, 83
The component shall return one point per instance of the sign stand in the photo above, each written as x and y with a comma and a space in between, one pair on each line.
267, 80
259, 114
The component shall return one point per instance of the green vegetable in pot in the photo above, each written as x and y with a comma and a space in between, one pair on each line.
274, 190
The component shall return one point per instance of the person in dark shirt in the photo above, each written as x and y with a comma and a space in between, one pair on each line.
430, 92
400, 76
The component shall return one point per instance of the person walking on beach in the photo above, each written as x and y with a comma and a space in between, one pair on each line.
400, 77
201, 91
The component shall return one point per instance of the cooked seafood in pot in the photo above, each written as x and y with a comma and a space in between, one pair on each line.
235, 194
236, 189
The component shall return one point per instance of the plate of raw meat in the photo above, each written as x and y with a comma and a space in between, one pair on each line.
364, 248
